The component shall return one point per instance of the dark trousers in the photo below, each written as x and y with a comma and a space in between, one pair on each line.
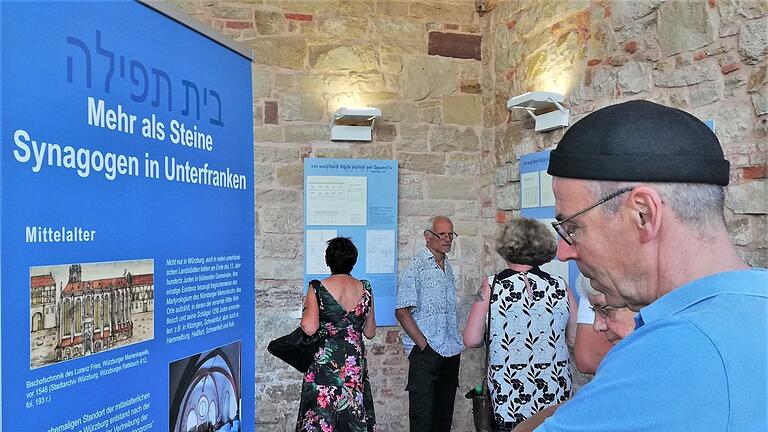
432, 383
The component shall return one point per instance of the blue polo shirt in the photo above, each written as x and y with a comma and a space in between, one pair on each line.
696, 362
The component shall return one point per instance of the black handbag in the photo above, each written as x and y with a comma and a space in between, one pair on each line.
297, 348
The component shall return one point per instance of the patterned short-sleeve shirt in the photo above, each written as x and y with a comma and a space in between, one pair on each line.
430, 292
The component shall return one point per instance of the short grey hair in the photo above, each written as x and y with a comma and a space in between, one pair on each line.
430, 224
526, 241
699, 206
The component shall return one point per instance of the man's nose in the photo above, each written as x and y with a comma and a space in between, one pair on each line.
599, 324
565, 251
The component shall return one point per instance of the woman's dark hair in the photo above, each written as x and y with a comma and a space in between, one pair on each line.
340, 255
526, 241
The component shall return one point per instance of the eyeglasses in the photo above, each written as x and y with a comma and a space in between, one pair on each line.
443, 236
565, 233
604, 311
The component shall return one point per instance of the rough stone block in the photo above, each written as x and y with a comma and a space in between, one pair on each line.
635, 77
706, 93
262, 83
753, 41
288, 51
276, 246
414, 132
304, 6
268, 22
418, 77
307, 133
355, 7
411, 146
290, 175
373, 151
360, 57
422, 162
464, 164
430, 114
695, 73
760, 101
346, 27
456, 45
684, 26
754, 172
392, 8
452, 12
470, 86
508, 197
280, 220
273, 197
231, 12
410, 186
384, 132
333, 153
301, 107
268, 134
398, 112
748, 198
393, 29
426, 208
270, 112
451, 187
361, 83
449, 138
282, 154
464, 110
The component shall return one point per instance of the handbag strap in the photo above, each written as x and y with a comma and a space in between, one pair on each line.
488, 335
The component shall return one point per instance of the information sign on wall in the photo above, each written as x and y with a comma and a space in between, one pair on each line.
354, 198
126, 232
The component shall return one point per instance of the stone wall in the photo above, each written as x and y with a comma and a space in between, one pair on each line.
441, 73
419, 62
705, 57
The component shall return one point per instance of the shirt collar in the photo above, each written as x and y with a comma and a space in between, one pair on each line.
425, 253
750, 282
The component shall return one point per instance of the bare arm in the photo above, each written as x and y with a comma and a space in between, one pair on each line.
590, 348
535, 420
474, 331
310, 318
403, 315
369, 330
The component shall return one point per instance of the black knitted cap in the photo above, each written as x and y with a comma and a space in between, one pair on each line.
640, 141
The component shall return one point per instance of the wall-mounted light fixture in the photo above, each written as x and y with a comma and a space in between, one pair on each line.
544, 107
353, 124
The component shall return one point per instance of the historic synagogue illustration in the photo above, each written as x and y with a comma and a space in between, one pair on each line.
86, 316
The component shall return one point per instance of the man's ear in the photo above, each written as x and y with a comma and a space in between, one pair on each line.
645, 205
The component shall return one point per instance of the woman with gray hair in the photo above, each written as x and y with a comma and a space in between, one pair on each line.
532, 320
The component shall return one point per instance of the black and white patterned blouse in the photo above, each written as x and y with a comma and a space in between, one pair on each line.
528, 362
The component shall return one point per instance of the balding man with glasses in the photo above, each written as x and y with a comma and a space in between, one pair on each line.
639, 202
426, 309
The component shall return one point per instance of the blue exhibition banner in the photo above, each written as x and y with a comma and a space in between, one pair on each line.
538, 202
126, 235
355, 198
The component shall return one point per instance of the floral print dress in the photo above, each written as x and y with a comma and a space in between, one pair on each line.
336, 393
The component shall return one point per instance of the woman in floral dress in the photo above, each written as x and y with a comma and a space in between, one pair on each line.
336, 393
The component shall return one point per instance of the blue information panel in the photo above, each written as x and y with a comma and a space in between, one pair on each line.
354, 198
126, 238
538, 202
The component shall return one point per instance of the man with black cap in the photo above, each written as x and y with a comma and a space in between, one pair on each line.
639, 200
